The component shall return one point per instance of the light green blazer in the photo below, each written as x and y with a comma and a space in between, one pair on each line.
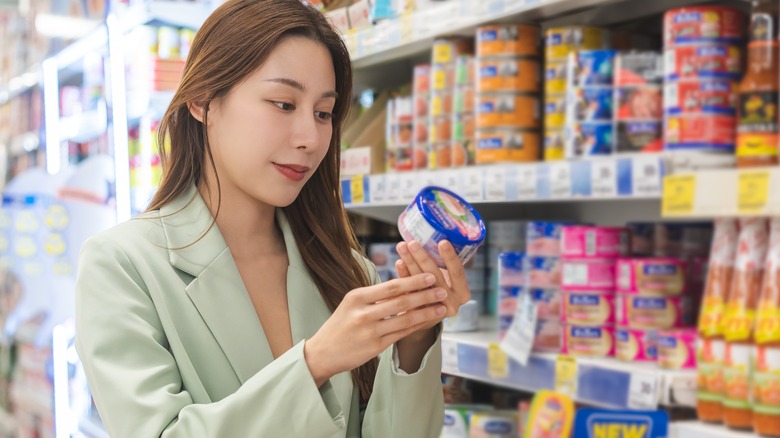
172, 346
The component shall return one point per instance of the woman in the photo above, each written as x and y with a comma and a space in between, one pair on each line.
238, 306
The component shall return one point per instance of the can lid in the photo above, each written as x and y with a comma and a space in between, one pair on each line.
451, 215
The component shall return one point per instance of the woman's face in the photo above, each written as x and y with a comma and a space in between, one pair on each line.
270, 133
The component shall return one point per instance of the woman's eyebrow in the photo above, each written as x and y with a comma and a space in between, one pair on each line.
300, 87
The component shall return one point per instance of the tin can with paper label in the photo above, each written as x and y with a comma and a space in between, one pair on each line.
588, 138
561, 41
509, 39
507, 145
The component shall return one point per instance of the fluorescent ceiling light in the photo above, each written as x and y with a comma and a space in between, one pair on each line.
62, 26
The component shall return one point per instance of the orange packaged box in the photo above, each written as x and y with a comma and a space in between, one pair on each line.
508, 74
509, 39
508, 110
507, 144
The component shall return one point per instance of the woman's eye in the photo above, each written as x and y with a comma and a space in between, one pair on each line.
284, 106
323, 115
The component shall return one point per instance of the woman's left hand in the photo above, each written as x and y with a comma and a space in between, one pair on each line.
415, 260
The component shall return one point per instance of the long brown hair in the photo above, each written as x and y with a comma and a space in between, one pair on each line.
233, 42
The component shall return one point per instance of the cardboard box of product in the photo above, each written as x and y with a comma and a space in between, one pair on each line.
367, 155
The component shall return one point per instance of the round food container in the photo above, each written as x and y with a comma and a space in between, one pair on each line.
598, 242
544, 238
588, 308
555, 111
589, 104
593, 67
463, 127
555, 77
464, 98
554, 144
441, 129
701, 97
509, 39
560, 41
636, 344
441, 104
438, 214
703, 61
700, 132
656, 313
639, 136
586, 139
465, 67
443, 152
703, 24
513, 110
589, 341
508, 74
640, 102
677, 349
422, 78
442, 77
588, 274
446, 50
652, 276
510, 269
507, 145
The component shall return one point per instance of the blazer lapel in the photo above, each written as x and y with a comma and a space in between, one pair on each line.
196, 247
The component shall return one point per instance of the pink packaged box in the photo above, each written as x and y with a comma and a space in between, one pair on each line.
677, 349
649, 312
636, 344
588, 274
588, 308
589, 341
652, 276
548, 335
599, 242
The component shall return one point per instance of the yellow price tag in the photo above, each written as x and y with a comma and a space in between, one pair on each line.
566, 375
357, 190
753, 191
679, 195
498, 362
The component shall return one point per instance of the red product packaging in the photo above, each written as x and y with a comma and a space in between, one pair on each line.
719, 61
642, 102
700, 132
694, 97
703, 24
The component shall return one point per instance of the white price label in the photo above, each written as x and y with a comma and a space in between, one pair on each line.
519, 339
377, 188
430, 178
560, 180
474, 183
409, 186
495, 183
449, 356
575, 274
643, 391
393, 182
647, 176
526, 182
604, 178
450, 180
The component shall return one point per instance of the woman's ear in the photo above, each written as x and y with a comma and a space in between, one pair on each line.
198, 110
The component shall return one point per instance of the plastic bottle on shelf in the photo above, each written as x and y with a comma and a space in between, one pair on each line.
710, 346
758, 131
765, 387
739, 322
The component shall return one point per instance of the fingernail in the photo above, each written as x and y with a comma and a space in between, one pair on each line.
430, 279
440, 310
441, 294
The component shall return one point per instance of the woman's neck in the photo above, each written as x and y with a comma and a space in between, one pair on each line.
247, 225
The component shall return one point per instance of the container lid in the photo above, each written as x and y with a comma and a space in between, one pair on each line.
451, 215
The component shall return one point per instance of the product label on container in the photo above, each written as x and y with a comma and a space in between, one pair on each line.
589, 309
676, 350
758, 124
710, 356
700, 132
590, 104
713, 97
703, 24
768, 323
543, 272
588, 138
737, 373
703, 61
633, 345
765, 384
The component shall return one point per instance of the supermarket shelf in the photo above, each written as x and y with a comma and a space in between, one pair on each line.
695, 429
92, 429
85, 126
600, 382
722, 193
171, 13
20, 84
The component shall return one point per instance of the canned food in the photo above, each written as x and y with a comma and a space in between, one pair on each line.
555, 77
442, 77
555, 111
561, 41
703, 24
463, 127
713, 132
507, 144
422, 78
645, 312
588, 138
443, 155
441, 129
701, 97
509, 39
441, 104
507, 110
588, 274
465, 70
445, 50
640, 102
719, 61
508, 74
639, 136
554, 142
422, 105
589, 341
636, 344
589, 104
464, 98
588, 309
638, 68
652, 276
420, 132
593, 67
420, 155
462, 153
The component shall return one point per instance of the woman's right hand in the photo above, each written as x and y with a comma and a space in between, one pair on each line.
371, 319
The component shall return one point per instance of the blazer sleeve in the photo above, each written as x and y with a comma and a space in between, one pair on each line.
405, 405
136, 382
